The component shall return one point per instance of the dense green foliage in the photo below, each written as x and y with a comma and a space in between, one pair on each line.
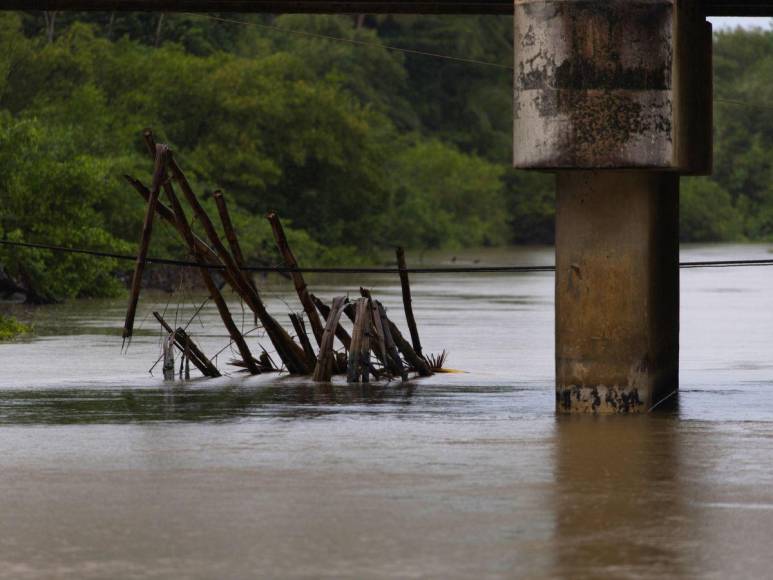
357, 147
11, 328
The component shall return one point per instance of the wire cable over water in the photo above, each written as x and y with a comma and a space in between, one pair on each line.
361, 270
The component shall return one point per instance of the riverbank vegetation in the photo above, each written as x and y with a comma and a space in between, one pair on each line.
11, 328
358, 146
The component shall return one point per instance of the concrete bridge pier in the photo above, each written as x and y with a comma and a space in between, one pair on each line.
617, 290
614, 96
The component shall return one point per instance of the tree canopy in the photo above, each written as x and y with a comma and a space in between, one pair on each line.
358, 145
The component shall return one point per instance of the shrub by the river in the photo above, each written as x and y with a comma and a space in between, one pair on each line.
11, 328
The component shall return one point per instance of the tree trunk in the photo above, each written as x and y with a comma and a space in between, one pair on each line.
50, 16
158, 30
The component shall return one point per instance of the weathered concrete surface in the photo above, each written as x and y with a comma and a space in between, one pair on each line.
617, 290
606, 84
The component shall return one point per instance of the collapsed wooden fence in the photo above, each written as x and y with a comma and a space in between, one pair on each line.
373, 332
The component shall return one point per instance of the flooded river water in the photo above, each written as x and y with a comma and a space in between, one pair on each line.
106, 472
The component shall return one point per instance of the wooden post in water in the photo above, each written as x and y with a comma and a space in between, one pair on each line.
147, 230
389, 343
168, 367
340, 331
298, 280
185, 343
326, 360
359, 354
377, 335
407, 301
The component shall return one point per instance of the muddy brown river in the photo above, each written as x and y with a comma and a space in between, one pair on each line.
108, 472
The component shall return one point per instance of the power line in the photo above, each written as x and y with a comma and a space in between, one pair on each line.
407, 50
365, 270
743, 103
352, 41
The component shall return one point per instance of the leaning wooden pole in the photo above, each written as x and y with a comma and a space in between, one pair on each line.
147, 230
303, 337
230, 235
411, 356
292, 354
340, 331
298, 280
276, 333
168, 216
186, 345
326, 360
407, 301
212, 288
243, 286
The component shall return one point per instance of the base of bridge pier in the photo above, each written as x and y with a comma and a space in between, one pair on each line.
617, 290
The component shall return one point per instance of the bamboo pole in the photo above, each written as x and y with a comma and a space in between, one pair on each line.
147, 230
184, 342
326, 360
407, 301
298, 280
213, 290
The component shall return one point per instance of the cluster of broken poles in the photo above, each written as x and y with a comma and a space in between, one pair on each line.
372, 332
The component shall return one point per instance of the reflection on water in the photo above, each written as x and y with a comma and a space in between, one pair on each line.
619, 508
107, 471
197, 403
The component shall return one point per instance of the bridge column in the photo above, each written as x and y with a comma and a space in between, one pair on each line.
615, 97
617, 290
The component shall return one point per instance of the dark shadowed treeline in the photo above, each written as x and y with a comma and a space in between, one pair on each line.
358, 147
